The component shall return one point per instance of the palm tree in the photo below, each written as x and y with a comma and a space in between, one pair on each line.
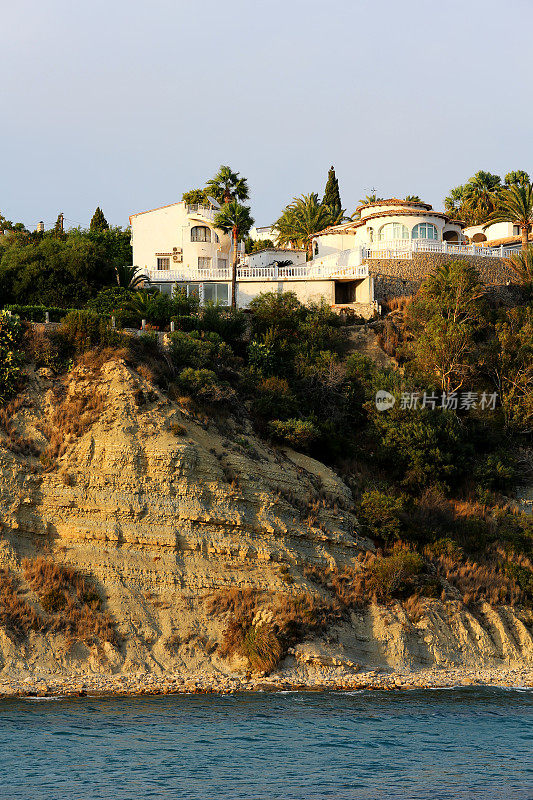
481, 195
370, 198
236, 218
516, 206
130, 277
454, 204
516, 176
143, 305
522, 264
301, 219
413, 198
226, 186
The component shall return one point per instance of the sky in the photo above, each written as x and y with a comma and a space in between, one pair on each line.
127, 105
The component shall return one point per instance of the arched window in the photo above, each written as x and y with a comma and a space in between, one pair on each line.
200, 233
425, 230
393, 230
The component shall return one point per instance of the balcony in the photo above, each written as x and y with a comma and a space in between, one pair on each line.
331, 270
201, 212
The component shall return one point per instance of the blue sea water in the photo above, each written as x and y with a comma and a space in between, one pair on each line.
455, 745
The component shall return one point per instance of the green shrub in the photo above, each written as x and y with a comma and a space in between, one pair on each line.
203, 385
297, 433
381, 514
274, 399
110, 301
37, 313
394, 575
11, 355
187, 322
282, 311
230, 324
87, 329
190, 351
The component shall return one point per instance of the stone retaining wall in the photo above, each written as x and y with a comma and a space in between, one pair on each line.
394, 277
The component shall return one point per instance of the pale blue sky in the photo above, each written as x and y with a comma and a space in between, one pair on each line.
128, 104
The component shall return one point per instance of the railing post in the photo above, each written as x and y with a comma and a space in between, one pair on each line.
143, 324
501, 251
47, 317
444, 246
113, 323
172, 326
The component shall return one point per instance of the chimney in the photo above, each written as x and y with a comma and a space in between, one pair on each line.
40, 227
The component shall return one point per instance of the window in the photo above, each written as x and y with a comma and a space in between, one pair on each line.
516, 230
425, 230
393, 230
371, 234
216, 237
222, 263
204, 262
163, 263
216, 293
200, 234
190, 289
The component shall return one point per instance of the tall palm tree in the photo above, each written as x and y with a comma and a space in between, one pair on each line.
522, 264
236, 218
130, 277
300, 220
227, 185
516, 176
454, 204
516, 206
481, 195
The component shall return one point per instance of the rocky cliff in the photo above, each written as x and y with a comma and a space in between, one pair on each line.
166, 512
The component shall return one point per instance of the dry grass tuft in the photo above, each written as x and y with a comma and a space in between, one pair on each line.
14, 442
73, 416
16, 614
260, 626
70, 601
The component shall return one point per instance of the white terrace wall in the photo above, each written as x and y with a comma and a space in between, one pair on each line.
306, 291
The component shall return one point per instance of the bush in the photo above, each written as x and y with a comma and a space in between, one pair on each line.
84, 330
229, 323
37, 313
381, 514
203, 385
284, 312
190, 351
11, 355
274, 399
110, 300
394, 575
297, 433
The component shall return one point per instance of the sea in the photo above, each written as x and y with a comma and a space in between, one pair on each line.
456, 744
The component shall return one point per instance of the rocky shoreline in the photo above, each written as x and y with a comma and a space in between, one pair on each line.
139, 684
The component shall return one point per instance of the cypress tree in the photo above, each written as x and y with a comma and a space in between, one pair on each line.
332, 197
98, 222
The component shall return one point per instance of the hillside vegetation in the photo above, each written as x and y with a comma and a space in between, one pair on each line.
422, 510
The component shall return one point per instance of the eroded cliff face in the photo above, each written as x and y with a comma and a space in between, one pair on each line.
163, 510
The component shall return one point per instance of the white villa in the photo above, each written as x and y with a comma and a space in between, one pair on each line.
178, 244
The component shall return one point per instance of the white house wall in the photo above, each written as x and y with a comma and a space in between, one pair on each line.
157, 232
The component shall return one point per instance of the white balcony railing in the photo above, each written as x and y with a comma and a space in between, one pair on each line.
404, 248
310, 271
197, 210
